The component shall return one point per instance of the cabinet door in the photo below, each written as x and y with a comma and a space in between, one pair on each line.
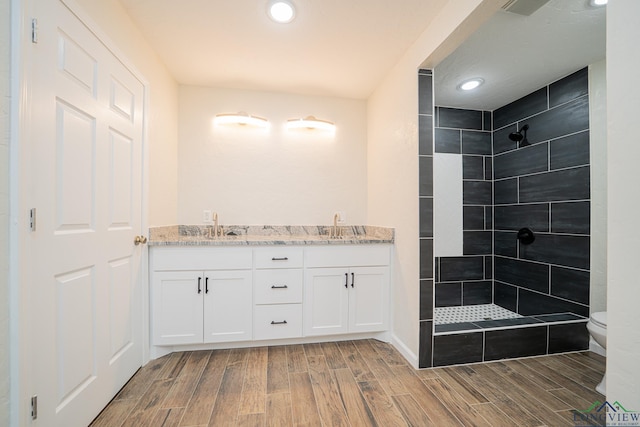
325, 301
368, 299
177, 308
228, 306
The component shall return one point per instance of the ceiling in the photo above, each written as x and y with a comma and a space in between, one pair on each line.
517, 54
340, 48
345, 48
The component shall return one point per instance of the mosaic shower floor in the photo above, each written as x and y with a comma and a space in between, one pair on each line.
471, 313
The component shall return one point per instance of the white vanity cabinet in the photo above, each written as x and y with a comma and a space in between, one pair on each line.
346, 289
278, 292
201, 295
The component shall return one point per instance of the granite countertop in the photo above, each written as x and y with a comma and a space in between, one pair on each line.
239, 235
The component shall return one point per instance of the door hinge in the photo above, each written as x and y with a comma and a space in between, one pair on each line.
34, 30
32, 219
34, 407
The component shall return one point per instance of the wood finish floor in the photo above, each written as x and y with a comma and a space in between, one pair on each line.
351, 383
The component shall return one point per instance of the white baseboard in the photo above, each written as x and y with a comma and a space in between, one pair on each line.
597, 348
411, 357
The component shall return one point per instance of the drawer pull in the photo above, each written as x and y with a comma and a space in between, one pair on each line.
280, 259
199, 287
273, 322
346, 280
279, 287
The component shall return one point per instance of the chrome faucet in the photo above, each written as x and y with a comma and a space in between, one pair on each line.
335, 231
216, 229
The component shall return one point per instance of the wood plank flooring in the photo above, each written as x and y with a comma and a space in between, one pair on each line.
351, 383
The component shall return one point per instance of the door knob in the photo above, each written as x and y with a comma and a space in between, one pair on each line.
140, 240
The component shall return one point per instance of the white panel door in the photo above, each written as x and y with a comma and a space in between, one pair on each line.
326, 301
228, 306
177, 307
85, 147
368, 299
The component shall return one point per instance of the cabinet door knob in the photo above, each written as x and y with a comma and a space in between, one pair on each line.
139, 240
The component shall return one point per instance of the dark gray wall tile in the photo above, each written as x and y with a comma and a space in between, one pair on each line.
570, 151
531, 159
426, 217
488, 168
426, 299
568, 88
473, 218
459, 118
461, 268
487, 117
477, 193
425, 94
488, 217
473, 167
426, 175
488, 267
425, 350
448, 294
477, 293
505, 244
506, 191
501, 141
532, 303
501, 323
535, 217
506, 296
515, 343
573, 217
570, 284
425, 135
448, 141
570, 337
426, 258
452, 327
569, 184
569, 251
474, 142
525, 274
477, 243
458, 348
524, 107
560, 121
436, 267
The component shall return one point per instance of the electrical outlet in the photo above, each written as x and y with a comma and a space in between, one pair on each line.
342, 217
207, 217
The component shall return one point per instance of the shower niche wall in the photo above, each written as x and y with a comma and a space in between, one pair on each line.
485, 295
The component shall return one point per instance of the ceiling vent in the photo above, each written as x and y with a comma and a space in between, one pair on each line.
523, 7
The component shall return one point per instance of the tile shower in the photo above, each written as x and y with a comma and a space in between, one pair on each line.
501, 298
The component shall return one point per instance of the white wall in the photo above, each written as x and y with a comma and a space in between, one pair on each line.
393, 162
623, 153
162, 133
5, 80
598, 160
274, 177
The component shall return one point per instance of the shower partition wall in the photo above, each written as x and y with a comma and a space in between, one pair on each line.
502, 298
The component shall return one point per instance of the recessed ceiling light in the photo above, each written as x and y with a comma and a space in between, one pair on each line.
470, 84
599, 2
281, 11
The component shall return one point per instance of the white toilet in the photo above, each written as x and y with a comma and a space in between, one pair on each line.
597, 327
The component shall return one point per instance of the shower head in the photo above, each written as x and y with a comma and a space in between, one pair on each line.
519, 137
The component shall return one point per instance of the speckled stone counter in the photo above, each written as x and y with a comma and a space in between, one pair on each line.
238, 235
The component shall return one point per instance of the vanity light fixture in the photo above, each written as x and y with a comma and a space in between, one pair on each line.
281, 11
470, 84
241, 119
311, 123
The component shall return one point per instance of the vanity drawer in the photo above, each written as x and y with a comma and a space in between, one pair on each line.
278, 286
282, 257
277, 321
